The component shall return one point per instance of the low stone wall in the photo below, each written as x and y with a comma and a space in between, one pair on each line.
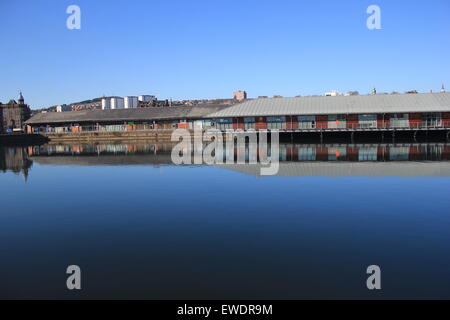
150, 135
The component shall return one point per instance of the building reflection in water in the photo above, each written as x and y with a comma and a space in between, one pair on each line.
15, 159
288, 152
334, 159
409, 159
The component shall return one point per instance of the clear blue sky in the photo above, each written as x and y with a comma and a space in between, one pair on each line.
208, 49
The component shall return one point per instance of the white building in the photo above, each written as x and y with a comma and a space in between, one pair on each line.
146, 98
333, 93
117, 103
63, 108
106, 103
130, 102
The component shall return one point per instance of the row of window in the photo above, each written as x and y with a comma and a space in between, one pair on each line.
338, 121
304, 122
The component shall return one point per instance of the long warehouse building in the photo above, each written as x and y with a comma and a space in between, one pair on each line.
366, 112
303, 114
124, 119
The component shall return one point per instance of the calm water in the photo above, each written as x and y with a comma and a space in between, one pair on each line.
140, 227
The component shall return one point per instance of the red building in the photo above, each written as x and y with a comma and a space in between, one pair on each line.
341, 113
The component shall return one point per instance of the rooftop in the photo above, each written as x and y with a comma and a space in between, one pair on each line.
136, 114
364, 104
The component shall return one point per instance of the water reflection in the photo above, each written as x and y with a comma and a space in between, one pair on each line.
205, 232
15, 159
430, 159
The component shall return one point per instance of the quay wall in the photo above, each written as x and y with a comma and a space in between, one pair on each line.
149, 135
22, 139
164, 136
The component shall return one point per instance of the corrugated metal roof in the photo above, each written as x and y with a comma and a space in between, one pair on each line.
366, 104
137, 114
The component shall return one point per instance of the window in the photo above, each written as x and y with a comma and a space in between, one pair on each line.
306, 153
249, 123
367, 120
367, 154
224, 124
337, 153
276, 123
399, 153
306, 122
337, 121
399, 120
432, 120
431, 152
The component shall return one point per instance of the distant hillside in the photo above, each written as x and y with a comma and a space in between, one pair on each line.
88, 104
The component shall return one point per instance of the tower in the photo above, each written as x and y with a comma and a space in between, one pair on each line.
21, 100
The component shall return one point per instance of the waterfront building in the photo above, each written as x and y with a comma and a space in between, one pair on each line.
305, 114
125, 119
14, 114
341, 113
130, 102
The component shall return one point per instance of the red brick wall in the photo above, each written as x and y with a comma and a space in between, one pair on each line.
289, 152
291, 122
415, 154
238, 124
446, 119
382, 153
446, 153
261, 123
415, 120
322, 122
352, 153
352, 121
383, 121
321, 153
